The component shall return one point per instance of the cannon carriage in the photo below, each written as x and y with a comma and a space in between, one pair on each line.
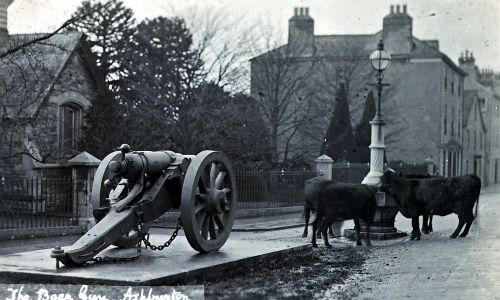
131, 189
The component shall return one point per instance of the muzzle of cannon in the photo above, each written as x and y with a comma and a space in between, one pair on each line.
131, 189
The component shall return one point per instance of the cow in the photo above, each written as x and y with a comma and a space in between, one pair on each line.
310, 187
345, 201
441, 196
426, 217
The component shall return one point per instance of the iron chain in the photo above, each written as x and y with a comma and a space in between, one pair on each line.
144, 238
147, 244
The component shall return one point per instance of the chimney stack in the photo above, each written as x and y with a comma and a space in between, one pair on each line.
301, 33
397, 31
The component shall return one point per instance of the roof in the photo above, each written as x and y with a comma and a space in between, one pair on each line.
28, 75
336, 44
469, 100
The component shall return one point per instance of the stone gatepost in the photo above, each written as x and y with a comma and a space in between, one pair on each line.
430, 165
83, 166
324, 167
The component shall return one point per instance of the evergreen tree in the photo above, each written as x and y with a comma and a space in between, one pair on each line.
109, 28
103, 129
363, 130
339, 142
163, 72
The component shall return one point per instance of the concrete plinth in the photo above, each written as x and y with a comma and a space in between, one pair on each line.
177, 262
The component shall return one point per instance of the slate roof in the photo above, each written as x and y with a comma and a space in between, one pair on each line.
27, 76
328, 45
469, 100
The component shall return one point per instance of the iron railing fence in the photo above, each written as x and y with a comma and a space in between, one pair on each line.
39, 202
269, 189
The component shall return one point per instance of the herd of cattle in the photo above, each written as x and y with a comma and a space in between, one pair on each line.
415, 196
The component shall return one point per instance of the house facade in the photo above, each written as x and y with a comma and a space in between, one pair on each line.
423, 106
45, 90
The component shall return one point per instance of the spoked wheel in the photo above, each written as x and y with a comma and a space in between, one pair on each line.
208, 201
99, 194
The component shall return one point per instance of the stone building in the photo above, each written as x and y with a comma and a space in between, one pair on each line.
423, 106
483, 87
45, 89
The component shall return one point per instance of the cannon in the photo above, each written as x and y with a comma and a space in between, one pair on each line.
131, 189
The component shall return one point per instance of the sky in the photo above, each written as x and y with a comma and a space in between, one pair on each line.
457, 24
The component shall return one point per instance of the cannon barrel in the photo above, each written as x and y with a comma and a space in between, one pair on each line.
151, 163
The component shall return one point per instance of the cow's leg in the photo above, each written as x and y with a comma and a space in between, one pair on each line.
470, 219
415, 234
461, 223
307, 215
358, 232
330, 231
430, 223
367, 239
425, 227
324, 230
316, 224
318, 236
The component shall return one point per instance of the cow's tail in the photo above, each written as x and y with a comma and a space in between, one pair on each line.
477, 193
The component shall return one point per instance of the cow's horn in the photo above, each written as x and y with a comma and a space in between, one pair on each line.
391, 170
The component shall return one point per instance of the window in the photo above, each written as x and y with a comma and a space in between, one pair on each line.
445, 79
476, 112
452, 88
452, 120
475, 140
445, 118
70, 122
468, 138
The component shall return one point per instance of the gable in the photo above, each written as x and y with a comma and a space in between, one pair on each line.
27, 76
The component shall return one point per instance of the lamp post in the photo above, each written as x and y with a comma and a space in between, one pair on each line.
380, 60
382, 226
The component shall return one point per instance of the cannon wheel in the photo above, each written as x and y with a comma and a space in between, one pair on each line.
99, 194
208, 201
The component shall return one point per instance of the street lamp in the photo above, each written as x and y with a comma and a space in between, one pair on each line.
380, 60
387, 209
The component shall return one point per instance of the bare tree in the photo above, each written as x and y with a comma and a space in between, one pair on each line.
281, 85
223, 42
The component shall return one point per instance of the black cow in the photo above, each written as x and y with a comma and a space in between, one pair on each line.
345, 201
310, 188
426, 217
441, 196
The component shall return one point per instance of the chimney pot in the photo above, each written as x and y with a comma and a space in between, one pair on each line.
296, 11
301, 11
392, 9
307, 11
404, 9
398, 9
